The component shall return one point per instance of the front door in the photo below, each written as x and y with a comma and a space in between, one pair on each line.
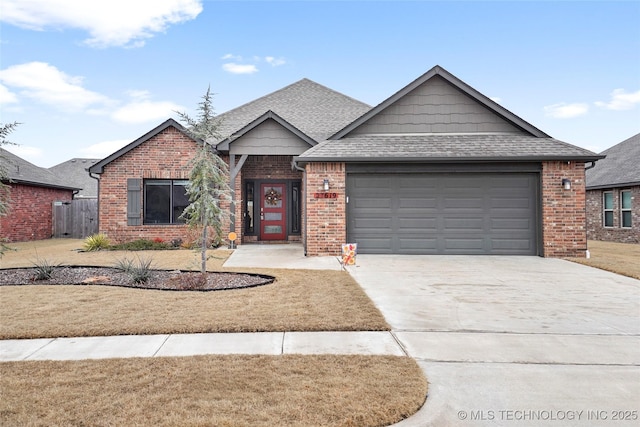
273, 216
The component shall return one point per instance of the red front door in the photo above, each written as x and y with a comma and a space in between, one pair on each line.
273, 216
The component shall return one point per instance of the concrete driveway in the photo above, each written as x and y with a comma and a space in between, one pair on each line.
513, 341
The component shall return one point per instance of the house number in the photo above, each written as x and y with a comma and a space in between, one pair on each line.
325, 195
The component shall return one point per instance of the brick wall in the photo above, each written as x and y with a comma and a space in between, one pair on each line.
595, 223
30, 213
326, 225
563, 211
164, 156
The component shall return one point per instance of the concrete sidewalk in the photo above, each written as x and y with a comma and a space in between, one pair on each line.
269, 343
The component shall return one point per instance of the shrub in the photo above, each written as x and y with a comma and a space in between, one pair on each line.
43, 269
142, 245
96, 242
139, 271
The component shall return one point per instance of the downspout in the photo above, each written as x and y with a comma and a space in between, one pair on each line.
586, 250
295, 166
97, 178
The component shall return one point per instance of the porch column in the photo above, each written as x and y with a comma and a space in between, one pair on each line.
234, 170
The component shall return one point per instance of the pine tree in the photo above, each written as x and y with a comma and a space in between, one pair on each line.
208, 187
5, 130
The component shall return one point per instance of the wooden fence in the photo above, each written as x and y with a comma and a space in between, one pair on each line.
76, 219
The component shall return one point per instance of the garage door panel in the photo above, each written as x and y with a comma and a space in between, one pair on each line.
509, 244
373, 225
511, 224
412, 224
417, 203
417, 245
466, 224
472, 213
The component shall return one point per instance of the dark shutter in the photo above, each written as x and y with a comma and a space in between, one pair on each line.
134, 201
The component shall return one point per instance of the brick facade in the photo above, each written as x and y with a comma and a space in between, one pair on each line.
563, 211
31, 212
326, 218
167, 155
595, 222
164, 156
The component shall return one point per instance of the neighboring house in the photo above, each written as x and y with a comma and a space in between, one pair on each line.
74, 172
437, 168
613, 194
32, 191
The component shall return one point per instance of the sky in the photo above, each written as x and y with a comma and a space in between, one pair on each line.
84, 78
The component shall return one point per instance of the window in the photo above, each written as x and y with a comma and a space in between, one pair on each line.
248, 208
607, 204
164, 201
625, 208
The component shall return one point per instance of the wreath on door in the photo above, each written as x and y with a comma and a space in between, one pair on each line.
272, 196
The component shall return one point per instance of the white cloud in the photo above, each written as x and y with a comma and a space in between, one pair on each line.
31, 154
275, 62
145, 111
126, 23
249, 67
103, 149
566, 111
48, 85
234, 68
621, 100
232, 56
6, 96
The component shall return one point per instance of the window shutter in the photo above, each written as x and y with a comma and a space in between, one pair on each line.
134, 201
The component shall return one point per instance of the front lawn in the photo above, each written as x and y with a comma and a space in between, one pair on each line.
233, 390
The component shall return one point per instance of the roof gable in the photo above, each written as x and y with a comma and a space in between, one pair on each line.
619, 168
267, 117
21, 171
99, 166
438, 102
75, 171
307, 106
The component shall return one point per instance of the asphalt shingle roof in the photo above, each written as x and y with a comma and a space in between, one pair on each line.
620, 167
442, 147
315, 110
75, 172
21, 171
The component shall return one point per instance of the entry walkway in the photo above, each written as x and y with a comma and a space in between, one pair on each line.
269, 343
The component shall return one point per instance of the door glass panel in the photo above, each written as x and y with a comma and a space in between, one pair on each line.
272, 229
273, 216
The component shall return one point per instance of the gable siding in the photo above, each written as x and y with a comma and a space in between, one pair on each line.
269, 138
435, 107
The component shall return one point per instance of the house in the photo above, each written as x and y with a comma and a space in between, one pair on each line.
74, 171
613, 194
32, 192
437, 168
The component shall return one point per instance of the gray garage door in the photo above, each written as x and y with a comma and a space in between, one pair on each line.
443, 213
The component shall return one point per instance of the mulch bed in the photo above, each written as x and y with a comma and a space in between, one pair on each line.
174, 280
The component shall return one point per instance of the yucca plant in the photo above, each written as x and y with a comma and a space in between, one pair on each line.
96, 242
43, 269
139, 271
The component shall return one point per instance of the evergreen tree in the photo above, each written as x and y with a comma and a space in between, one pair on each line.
5, 130
208, 187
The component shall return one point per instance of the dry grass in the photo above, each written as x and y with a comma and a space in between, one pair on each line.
621, 258
213, 391
299, 300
